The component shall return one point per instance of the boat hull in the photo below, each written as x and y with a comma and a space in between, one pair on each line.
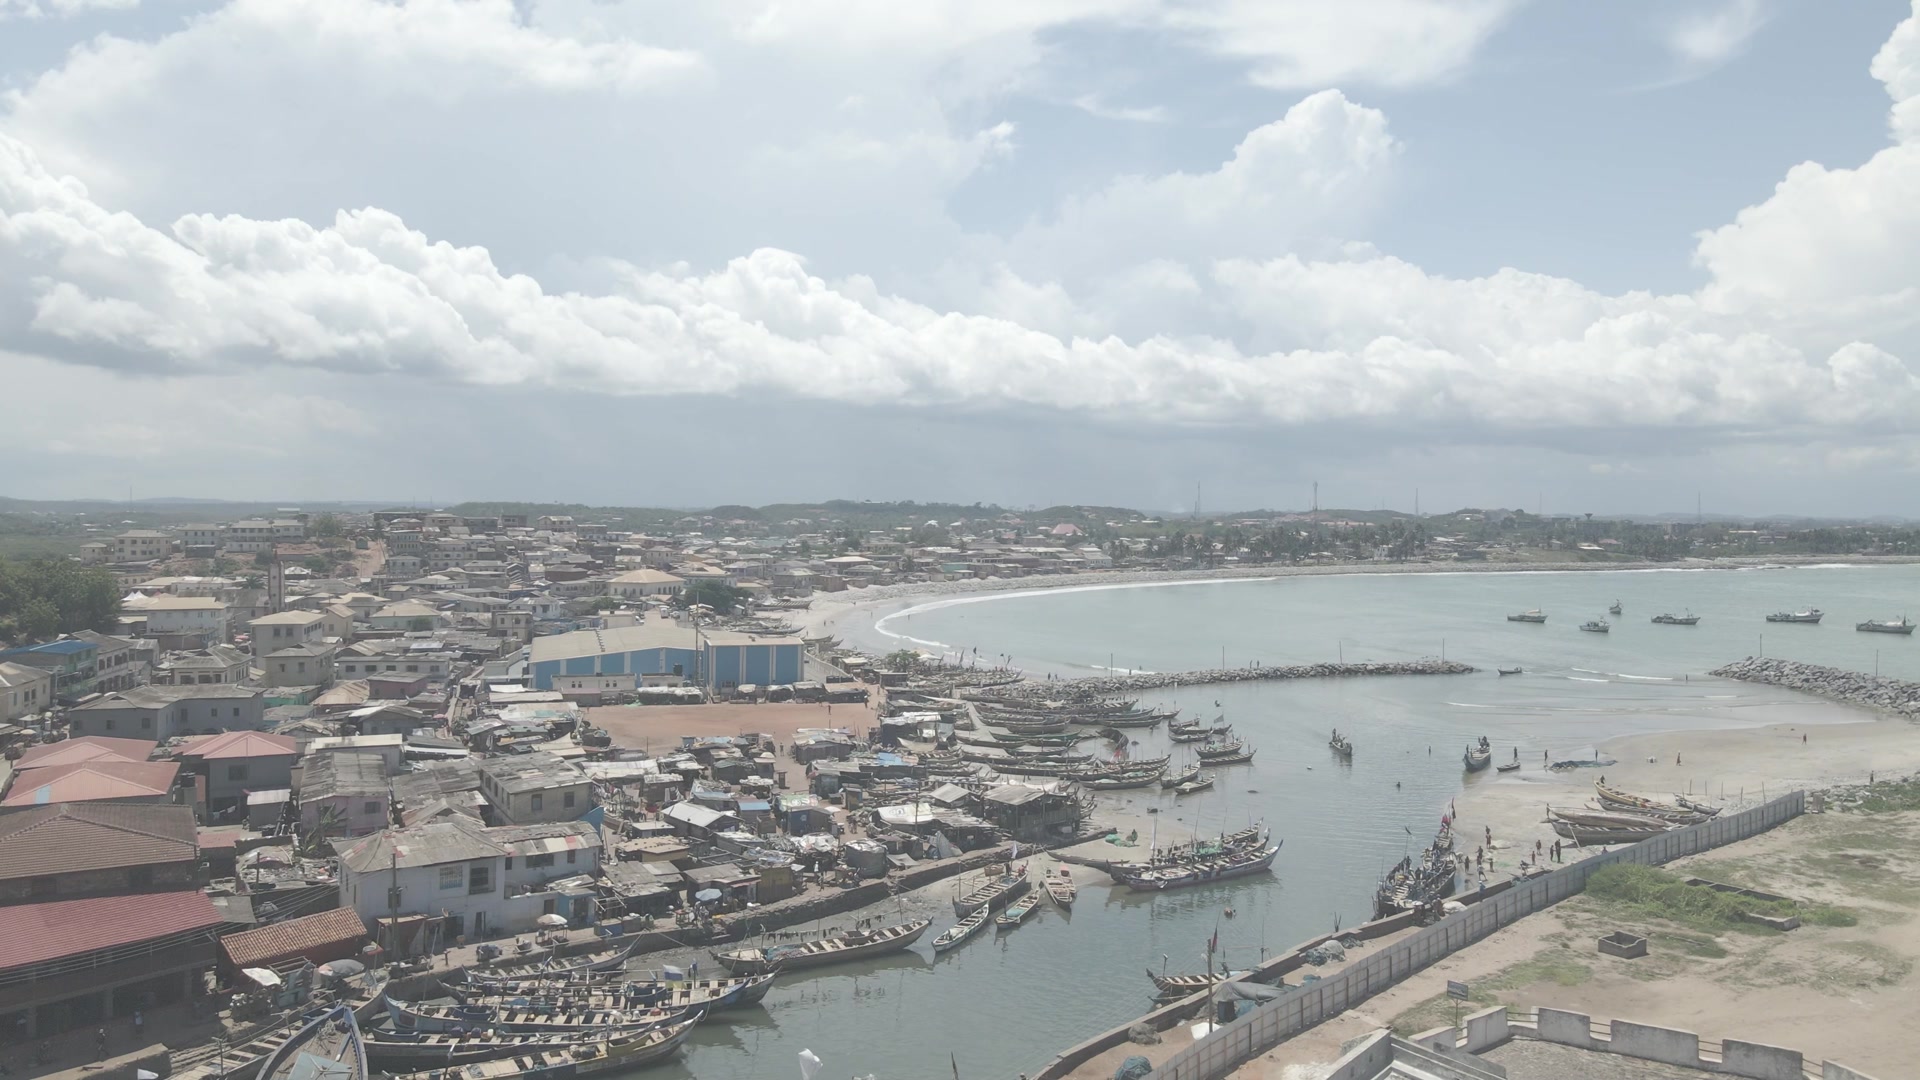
793, 958
1201, 874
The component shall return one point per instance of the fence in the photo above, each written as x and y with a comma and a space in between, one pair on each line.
1281, 1019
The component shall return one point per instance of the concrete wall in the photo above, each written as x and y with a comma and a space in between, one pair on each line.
1486, 1028
1761, 1062
1276, 1021
1656, 1043
1833, 1070
1367, 1060
1567, 1028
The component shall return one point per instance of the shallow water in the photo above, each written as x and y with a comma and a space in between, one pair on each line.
1003, 1004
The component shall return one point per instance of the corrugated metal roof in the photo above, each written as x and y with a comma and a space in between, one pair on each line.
86, 748
285, 940
240, 744
37, 933
93, 781
93, 836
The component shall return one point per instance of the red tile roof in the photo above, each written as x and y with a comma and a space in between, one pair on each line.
294, 937
74, 838
86, 748
92, 781
37, 933
240, 744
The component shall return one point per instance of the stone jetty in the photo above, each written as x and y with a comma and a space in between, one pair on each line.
1848, 687
1101, 686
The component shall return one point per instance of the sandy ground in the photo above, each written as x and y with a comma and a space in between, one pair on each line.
1844, 993
658, 728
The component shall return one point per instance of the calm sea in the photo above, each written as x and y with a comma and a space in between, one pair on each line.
1002, 1006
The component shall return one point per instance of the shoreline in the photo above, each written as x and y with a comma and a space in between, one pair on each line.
826, 610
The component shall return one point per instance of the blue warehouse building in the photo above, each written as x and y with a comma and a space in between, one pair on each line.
715, 659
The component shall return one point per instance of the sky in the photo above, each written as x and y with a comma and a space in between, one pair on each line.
1603, 258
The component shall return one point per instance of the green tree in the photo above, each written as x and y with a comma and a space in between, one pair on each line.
724, 599
326, 526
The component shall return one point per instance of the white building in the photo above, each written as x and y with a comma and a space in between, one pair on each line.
635, 584
23, 690
170, 614
141, 545
484, 881
286, 629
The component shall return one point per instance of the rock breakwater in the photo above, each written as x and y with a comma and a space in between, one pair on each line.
1849, 687
1100, 686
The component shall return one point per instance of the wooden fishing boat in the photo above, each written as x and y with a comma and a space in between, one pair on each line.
1197, 784
1204, 871
1698, 808
1689, 619
1509, 670
1189, 736
956, 935
830, 950
1174, 987
1478, 757
1062, 888
1613, 608
1511, 766
555, 966
1341, 746
425, 1049
994, 892
710, 994
1122, 782
1533, 616
1606, 834
1017, 912
621, 1051
1251, 837
1237, 757
1607, 818
528, 1019
1614, 799
1174, 780
329, 1047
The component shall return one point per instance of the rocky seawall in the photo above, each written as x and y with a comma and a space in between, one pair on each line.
1848, 687
1098, 686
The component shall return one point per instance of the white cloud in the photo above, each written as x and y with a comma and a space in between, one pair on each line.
59, 9
1092, 105
1709, 36
1835, 247
1519, 353
1309, 44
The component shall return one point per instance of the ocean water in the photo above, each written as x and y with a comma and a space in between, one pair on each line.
1004, 1004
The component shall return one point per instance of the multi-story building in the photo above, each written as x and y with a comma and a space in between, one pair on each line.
71, 662
168, 615
239, 762
483, 881
118, 664
533, 788
252, 535
216, 664
23, 690
103, 909
166, 712
344, 794
141, 545
286, 629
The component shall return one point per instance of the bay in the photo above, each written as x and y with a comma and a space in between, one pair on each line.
1002, 1005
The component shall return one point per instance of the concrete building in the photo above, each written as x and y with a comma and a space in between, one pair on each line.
533, 788
345, 794
23, 690
395, 658
390, 748
271, 633
483, 881
714, 659
117, 663
309, 664
201, 535
636, 584
168, 614
166, 712
214, 665
71, 663
239, 762
405, 615
253, 535
141, 545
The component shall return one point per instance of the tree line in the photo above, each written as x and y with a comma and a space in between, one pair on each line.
44, 598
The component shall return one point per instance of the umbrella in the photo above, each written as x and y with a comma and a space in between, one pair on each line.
551, 919
707, 894
341, 968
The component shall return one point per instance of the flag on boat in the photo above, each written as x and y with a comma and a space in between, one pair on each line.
809, 1064
1015, 853
956, 1065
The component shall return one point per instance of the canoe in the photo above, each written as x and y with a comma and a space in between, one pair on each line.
1017, 912
830, 950
956, 935
1174, 780
1511, 766
529, 1019
1062, 889
994, 893
1198, 784
1203, 872
328, 1048
584, 1058
556, 967
440, 1049
653, 993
